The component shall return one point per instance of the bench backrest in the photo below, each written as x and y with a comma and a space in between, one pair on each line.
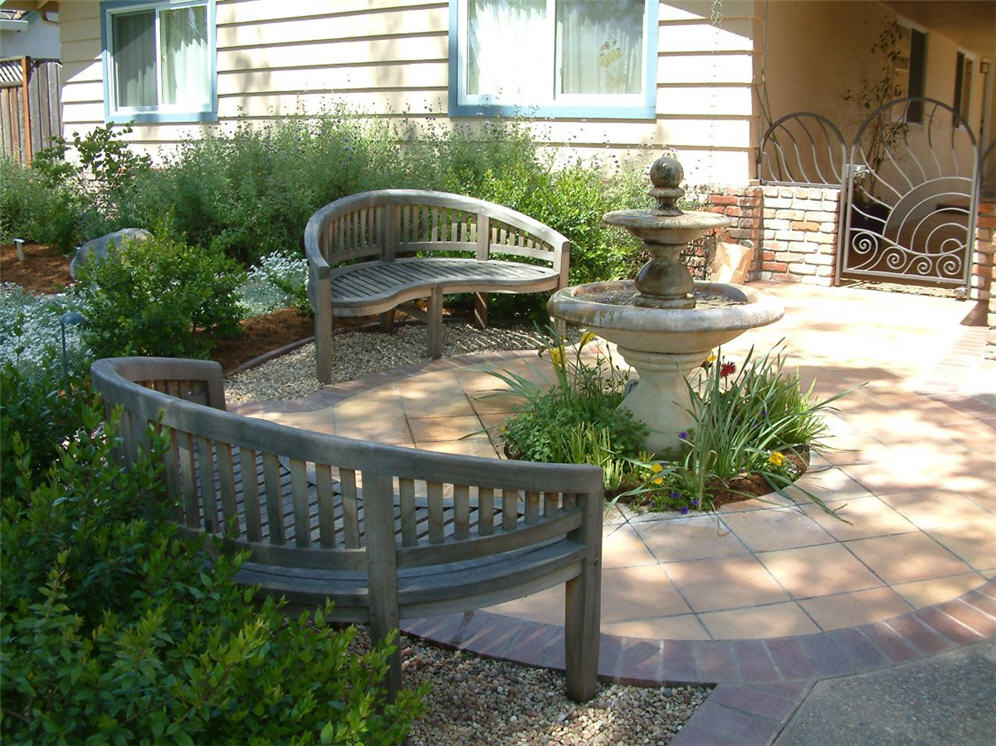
388, 223
322, 501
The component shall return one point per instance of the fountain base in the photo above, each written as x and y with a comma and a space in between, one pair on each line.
661, 399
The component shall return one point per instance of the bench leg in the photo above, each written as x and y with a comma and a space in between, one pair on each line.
581, 635
323, 345
481, 310
436, 323
387, 320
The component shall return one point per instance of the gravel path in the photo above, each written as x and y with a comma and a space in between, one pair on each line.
477, 700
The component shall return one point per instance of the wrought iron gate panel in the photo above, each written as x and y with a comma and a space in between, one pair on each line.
802, 149
910, 196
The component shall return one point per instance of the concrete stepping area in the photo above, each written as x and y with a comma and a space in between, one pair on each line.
763, 598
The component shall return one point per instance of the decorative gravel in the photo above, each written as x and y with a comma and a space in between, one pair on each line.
477, 700
358, 353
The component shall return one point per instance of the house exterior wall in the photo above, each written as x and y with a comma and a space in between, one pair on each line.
389, 59
815, 52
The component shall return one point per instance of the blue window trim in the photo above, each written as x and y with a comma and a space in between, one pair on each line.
154, 117
567, 111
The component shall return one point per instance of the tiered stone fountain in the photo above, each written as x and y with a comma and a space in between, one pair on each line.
664, 323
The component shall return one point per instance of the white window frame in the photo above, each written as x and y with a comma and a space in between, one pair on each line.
182, 112
623, 106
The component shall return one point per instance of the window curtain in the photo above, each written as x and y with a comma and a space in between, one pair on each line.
600, 46
508, 49
134, 55
185, 70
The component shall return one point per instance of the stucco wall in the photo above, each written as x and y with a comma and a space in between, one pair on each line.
389, 58
814, 52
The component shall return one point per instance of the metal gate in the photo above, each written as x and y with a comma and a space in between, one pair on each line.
911, 200
909, 188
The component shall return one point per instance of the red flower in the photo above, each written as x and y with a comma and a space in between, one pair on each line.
728, 369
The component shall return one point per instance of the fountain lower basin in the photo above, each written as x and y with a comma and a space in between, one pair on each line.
664, 345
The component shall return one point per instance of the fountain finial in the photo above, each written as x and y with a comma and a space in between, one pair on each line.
666, 174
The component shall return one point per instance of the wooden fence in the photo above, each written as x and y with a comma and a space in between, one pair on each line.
30, 105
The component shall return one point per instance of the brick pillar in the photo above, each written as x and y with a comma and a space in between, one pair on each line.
799, 233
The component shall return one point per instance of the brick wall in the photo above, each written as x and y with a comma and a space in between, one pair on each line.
792, 229
984, 270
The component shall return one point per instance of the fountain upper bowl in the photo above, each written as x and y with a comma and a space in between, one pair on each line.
660, 228
602, 308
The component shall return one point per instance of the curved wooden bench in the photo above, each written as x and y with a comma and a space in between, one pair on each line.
385, 532
371, 252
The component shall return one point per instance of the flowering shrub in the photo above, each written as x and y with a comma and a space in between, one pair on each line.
30, 332
578, 419
278, 281
751, 418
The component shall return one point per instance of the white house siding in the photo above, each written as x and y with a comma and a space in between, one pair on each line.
389, 59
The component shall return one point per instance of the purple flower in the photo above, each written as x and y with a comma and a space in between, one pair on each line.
675, 495
683, 435
684, 509
695, 503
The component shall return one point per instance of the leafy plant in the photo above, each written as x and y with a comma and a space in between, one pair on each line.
278, 281
38, 209
576, 417
105, 169
116, 630
159, 297
751, 419
883, 133
746, 420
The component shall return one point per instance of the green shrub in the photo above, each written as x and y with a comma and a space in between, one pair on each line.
44, 406
105, 171
159, 297
115, 630
38, 210
577, 416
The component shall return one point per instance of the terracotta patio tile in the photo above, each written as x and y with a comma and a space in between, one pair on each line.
758, 622
639, 592
425, 429
818, 571
869, 516
689, 537
776, 529
842, 610
906, 557
545, 607
622, 547
725, 583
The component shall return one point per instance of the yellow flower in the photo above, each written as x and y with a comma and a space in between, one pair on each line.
657, 469
777, 458
710, 359
586, 338
557, 356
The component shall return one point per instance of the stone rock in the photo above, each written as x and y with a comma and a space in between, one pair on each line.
99, 247
731, 263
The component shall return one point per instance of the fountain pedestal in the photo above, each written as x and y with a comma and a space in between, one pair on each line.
661, 400
659, 322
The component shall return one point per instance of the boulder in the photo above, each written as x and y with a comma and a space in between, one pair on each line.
99, 247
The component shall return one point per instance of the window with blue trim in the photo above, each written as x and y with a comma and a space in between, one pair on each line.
159, 60
569, 58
